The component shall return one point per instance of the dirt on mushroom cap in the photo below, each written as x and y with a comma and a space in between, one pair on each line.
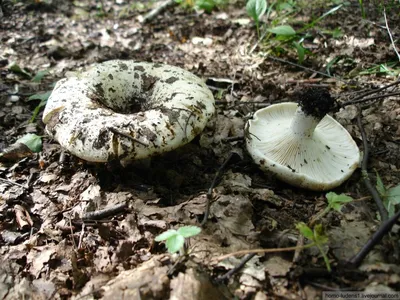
94, 118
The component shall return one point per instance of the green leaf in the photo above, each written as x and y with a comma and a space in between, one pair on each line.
175, 243
319, 234
256, 9
39, 76
188, 231
300, 52
380, 187
331, 11
43, 100
206, 5
393, 194
305, 230
285, 30
17, 69
42, 96
166, 235
32, 141
336, 201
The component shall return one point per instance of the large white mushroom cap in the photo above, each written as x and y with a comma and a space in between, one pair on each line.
299, 149
127, 110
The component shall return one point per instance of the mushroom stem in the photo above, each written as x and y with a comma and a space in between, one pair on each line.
303, 125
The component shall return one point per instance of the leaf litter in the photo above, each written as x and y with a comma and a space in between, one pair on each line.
62, 254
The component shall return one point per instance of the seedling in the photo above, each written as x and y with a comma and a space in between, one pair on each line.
335, 202
43, 100
206, 5
40, 75
175, 239
390, 195
389, 68
256, 9
32, 141
317, 237
283, 34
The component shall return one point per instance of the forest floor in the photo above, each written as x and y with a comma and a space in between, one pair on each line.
52, 248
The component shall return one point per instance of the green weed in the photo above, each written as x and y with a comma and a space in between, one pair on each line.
318, 238
175, 239
390, 195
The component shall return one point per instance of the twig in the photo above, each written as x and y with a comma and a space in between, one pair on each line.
305, 68
23, 218
258, 42
328, 288
156, 11
115, 131
12, 182
236, 269
390, 35
271, 250
370, 98
370, 93
364, 166
209, 192
106, 212
375, 239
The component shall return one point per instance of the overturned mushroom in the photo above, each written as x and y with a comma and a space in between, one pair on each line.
127, 110
301, 144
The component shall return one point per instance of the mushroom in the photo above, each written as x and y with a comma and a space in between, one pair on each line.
301, 144
126, 110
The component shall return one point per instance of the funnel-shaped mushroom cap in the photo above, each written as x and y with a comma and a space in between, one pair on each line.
319, 159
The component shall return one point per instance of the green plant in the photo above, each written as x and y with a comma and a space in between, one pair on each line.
390, 195
39, 76
318, 238
175, 239
206, 5
335, 202
43, 100
389, 68
360, 2
279, 35
32, 141
256, 9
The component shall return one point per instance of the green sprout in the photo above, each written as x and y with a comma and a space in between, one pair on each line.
206, 5
43, 97
32, 141
256, 9
175, 239
317, 237
335, 202
390, 195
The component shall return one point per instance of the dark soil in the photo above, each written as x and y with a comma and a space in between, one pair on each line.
51, 247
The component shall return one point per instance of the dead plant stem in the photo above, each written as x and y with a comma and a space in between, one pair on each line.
271, 250
390, 35
364, 169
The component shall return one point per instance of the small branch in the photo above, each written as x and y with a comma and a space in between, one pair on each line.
364, 170
236, 269
370, 93
23, 218
305, 68
12, 182
107, 212
209, 192
115, 131
271, 250
390, 35
156, 11
370, 98
375, 239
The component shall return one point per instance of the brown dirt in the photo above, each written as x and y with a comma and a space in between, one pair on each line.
59, 253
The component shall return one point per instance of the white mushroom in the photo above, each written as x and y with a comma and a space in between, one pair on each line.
292, 141
127, 110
